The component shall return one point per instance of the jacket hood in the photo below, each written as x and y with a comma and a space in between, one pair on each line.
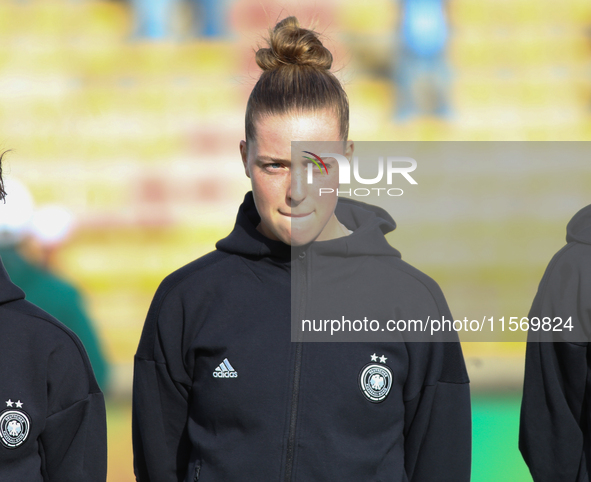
369, 225
8, 290
579, 227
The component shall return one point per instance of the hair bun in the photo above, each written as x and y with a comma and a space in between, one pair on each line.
291, 45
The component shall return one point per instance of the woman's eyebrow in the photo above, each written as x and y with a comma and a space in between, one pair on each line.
272, 159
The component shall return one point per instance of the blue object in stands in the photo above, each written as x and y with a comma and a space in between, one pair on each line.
424, 27
210, 17
154, 17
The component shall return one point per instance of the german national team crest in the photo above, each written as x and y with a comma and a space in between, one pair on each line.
375, 380
14, 425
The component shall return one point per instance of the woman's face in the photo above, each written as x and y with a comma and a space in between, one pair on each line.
291, 210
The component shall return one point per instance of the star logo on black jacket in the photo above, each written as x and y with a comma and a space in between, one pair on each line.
375, 379
15, 425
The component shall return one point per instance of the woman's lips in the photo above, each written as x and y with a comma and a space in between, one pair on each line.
292, 215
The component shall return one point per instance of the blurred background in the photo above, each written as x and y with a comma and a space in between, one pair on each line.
124, 118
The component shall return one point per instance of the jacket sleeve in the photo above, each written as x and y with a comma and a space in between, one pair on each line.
550, 434
550, 437
161, 388
438, 427
73, 443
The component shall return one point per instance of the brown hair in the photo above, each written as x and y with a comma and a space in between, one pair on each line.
295, 78
2, 191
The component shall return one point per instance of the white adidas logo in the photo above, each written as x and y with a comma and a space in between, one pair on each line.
225, 370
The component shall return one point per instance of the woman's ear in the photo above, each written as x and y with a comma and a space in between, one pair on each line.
244, 155
349, 149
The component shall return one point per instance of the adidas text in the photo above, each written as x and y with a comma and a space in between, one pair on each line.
225, 370
225, 374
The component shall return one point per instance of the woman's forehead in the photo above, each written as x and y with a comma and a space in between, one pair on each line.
275, 132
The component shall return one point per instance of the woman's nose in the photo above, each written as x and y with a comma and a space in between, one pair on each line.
298, 188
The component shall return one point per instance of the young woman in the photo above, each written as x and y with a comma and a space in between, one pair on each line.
555, 430
221, 393
52, 414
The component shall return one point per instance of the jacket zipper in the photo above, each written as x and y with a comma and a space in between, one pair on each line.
291, 438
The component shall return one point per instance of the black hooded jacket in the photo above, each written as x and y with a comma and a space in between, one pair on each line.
52, 414
554, 431
222, 394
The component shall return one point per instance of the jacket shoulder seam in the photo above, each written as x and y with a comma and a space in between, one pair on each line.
191, 272
551, 267
164, 364
423, 283
74, 403
176, 283
437, 382
72, 336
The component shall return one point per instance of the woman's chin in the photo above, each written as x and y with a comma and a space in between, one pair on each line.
300, 238
294, 236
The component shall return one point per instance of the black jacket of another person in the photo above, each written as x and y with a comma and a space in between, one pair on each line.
555, 433
221, 393
52, 412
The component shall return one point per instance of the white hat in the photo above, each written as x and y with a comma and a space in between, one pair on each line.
51, 224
